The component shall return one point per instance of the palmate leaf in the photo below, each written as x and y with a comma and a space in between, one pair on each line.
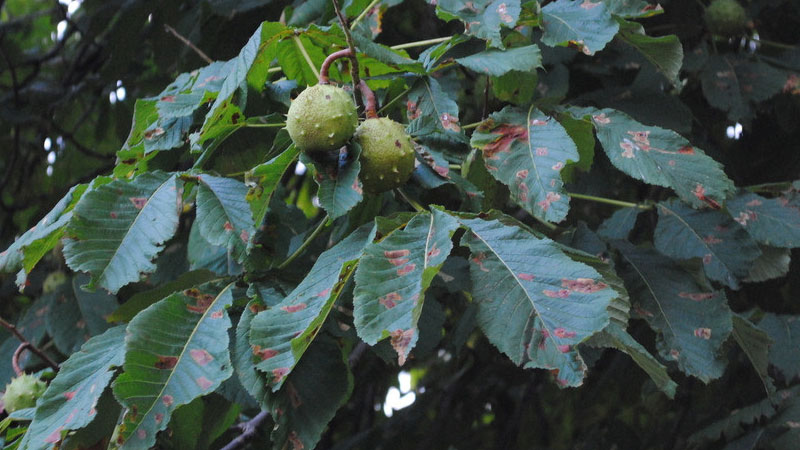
339, 188
584, 24
280, 335
175, 351
526, 151
70, 400
482, 18
770, 221
727, 251
534, 302
661, 157
755, 343
392, 278
76, 315
223, 215
118, 228
692, 323
499, 62
785, 333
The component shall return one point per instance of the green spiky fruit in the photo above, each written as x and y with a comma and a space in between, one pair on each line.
387, 155
726, 17
23, 392
322, 118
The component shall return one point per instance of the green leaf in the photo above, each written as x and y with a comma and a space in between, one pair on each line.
76, 315
293, 62
387, 55
773, 263
770, 221
755, 343
735, 423
175, 351
244, 361
534, 302
482, 18
692, 323
280, 335
197, 424
392, 278
661, 157
633, 9
432, 112
70, 400
339, 187
118, 228
727, 251
499, 62
581, 132
526, 151
267, 177
223, 214
614, 336
785, 333
665, 52
619, 225
583, 24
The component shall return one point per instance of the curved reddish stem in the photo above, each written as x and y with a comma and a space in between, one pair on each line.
15, 359
369, 101
326, 65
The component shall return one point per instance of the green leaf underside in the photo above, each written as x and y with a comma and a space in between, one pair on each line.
280, 335
785, 333
339, 188
770, 221
692, 323
664, 52
534, 303
175, 351
76, 315
244, 361
499, 62
526, 151
118, 228
582, 23
725, 248
482, 18
661, 157
755, 343
392, 278
223, 214
70, 400
614, 336
773, 263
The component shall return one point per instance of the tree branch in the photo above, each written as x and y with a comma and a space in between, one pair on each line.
188, 43
353, 59
249, 429
26, 343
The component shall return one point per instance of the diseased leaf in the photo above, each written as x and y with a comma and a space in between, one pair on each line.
432, 113
534, 302
755, 343
70, 400
727, 251
638, 9
482, 18
526, 150
340, 188
614, 336
254, 382
392, 278
770, 221
118, 228
280, 335
692, 323
785, 333
665, 52
499, 62
76, 315
661, 157
175, 351
223, 215
585, 25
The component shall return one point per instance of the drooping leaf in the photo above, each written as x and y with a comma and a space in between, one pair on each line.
201, 254
691, 322
755, 344
585, 25
734, 424
308, 400
785, 333
118, 228
280, 335
223, 214
581, 132
266, 178
392, 278
727, 251
770, 221
526, 150
339, 187
254, 382
499, 62
661, 157
482, 18
665, 52
432, 112
386, 55
534, 302
176, 350
633, 8
76, 315
70, 400
619, 225
773, 263
614, 336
